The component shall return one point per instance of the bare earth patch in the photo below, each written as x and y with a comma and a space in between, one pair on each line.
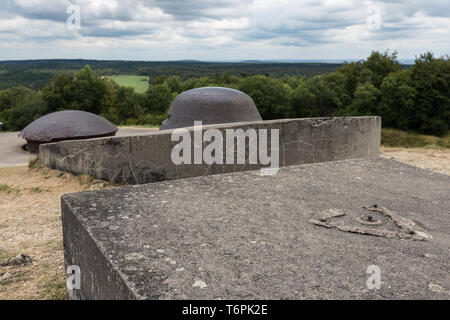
30, 221
432, 159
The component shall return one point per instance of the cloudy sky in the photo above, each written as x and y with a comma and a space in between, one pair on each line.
221, 29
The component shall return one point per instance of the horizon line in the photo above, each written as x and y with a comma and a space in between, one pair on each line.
330, 61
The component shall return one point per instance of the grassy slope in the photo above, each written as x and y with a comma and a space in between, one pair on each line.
139, 83
398, 138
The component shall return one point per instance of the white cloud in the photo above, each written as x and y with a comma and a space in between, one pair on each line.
221, 29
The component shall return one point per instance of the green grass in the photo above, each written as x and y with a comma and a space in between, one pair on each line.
139, 83
53, 287
4, 255
150, 126
85, 179
8, 189
35, 164
5, 188
37, 190
404, 139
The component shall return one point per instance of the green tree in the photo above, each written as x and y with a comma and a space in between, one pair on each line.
397, 101
127, 104
351, 72
430, 77
31, 108
336, 81
85, 91
196, 83
327, 95
365, 76
382, 64
12, 96
366, 100
293, 81
158, 80
89, 90
174, 84
271, 96
157, 98
303, 102
9, 99
59, 93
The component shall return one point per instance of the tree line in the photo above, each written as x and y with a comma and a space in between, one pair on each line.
35, 74
415, 98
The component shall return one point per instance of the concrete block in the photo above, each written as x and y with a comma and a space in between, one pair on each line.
147, 158
246, 236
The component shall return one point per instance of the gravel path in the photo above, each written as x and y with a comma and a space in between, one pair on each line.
432, 159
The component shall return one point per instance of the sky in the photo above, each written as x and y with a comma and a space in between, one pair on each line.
221, 30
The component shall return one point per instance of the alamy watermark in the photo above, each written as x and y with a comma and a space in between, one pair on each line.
73, 281
374, 280
373, 21
74, 20
208, 147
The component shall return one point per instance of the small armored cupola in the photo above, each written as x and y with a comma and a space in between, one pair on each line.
211, 105
65, 125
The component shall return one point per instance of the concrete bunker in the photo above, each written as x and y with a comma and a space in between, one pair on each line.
65, 125
211, 105
246, 236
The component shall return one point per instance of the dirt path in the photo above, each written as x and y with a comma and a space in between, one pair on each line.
30, 223
432, 159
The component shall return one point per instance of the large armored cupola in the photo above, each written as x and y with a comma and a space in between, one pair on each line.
211, 105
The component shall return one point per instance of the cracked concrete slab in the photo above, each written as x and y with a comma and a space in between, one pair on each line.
245, 236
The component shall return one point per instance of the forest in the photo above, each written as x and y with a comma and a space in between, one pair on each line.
35, 74
414, 98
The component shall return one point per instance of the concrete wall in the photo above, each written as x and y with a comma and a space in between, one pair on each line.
147, 158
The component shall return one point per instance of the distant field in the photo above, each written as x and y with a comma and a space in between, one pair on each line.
139, 83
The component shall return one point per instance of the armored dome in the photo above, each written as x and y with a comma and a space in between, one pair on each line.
66, 125
211, 105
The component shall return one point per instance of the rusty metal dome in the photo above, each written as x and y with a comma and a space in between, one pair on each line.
211, 105
66, 125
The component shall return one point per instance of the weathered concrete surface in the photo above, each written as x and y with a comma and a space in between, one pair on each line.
144, 159
246, 236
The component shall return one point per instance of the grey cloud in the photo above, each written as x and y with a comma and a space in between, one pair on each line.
44, 10
191, 10
280, 23
434, 8
112, 32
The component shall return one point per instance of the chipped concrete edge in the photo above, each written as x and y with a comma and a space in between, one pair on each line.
91, 278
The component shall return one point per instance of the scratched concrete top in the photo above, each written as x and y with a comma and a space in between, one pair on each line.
246, 236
